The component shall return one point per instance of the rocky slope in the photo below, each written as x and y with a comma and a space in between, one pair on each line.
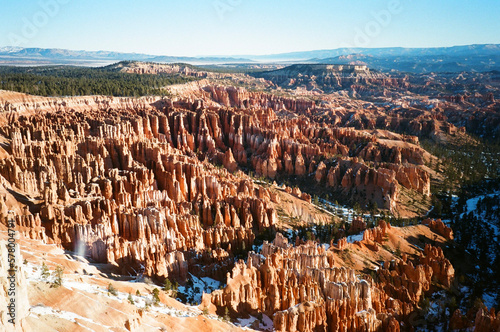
130, 192
160, 68
308, 288
161, 187
418, 104
83, 302
326, 78
253, 133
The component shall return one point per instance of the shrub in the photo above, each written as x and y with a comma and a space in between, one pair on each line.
156, 296
167, 285
226, 317
45, 271
112, 290
57, 275
425, 303
205, 311
171, 287
398, 250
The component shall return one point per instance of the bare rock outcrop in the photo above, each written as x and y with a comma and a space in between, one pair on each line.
487, 320
124, 186
439, 227
300, 287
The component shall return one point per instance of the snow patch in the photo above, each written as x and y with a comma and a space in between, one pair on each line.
354, 238
199, 286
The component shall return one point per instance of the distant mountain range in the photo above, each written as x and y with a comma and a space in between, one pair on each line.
468, 50
54, 56
479, 58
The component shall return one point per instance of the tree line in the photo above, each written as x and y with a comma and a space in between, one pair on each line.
57, 81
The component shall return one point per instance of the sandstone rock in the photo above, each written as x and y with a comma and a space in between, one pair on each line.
229, 161
300, 287
122, 186
487, 320
439, 227
357, 225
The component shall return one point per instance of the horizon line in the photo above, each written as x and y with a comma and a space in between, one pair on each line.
245, 55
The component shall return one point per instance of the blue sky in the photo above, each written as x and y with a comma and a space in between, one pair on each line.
230, 27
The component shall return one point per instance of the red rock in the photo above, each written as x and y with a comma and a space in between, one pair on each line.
357, 225
282, 284
487, 320
229, 161
458, 321
439, 227
320, 173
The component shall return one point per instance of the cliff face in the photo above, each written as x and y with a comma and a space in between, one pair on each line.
303, 288
249, 134
327, 77
300, 287
422, 104
439, 227
347, 160
157, 186
126, 187
129, 180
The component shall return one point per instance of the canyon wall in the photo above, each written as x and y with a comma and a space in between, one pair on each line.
303, 288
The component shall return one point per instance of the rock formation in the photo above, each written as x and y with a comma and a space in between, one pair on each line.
303, 290
439, 227
249, 135
126, 187
487, 320
157, 186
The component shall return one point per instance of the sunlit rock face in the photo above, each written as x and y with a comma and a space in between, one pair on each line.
303, 288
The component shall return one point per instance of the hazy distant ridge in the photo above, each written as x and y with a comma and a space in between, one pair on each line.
15, 55
484, 57
478, 49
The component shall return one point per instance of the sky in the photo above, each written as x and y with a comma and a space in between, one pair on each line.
245, 27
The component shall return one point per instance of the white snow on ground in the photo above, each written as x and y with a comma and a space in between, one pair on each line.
432, 317
72, 317
471, 205
34, 274
211, 283
246, 321
258, 249
86, 287
266, 324
146, 300
200, 285
345, 212
174, 312
353, 238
